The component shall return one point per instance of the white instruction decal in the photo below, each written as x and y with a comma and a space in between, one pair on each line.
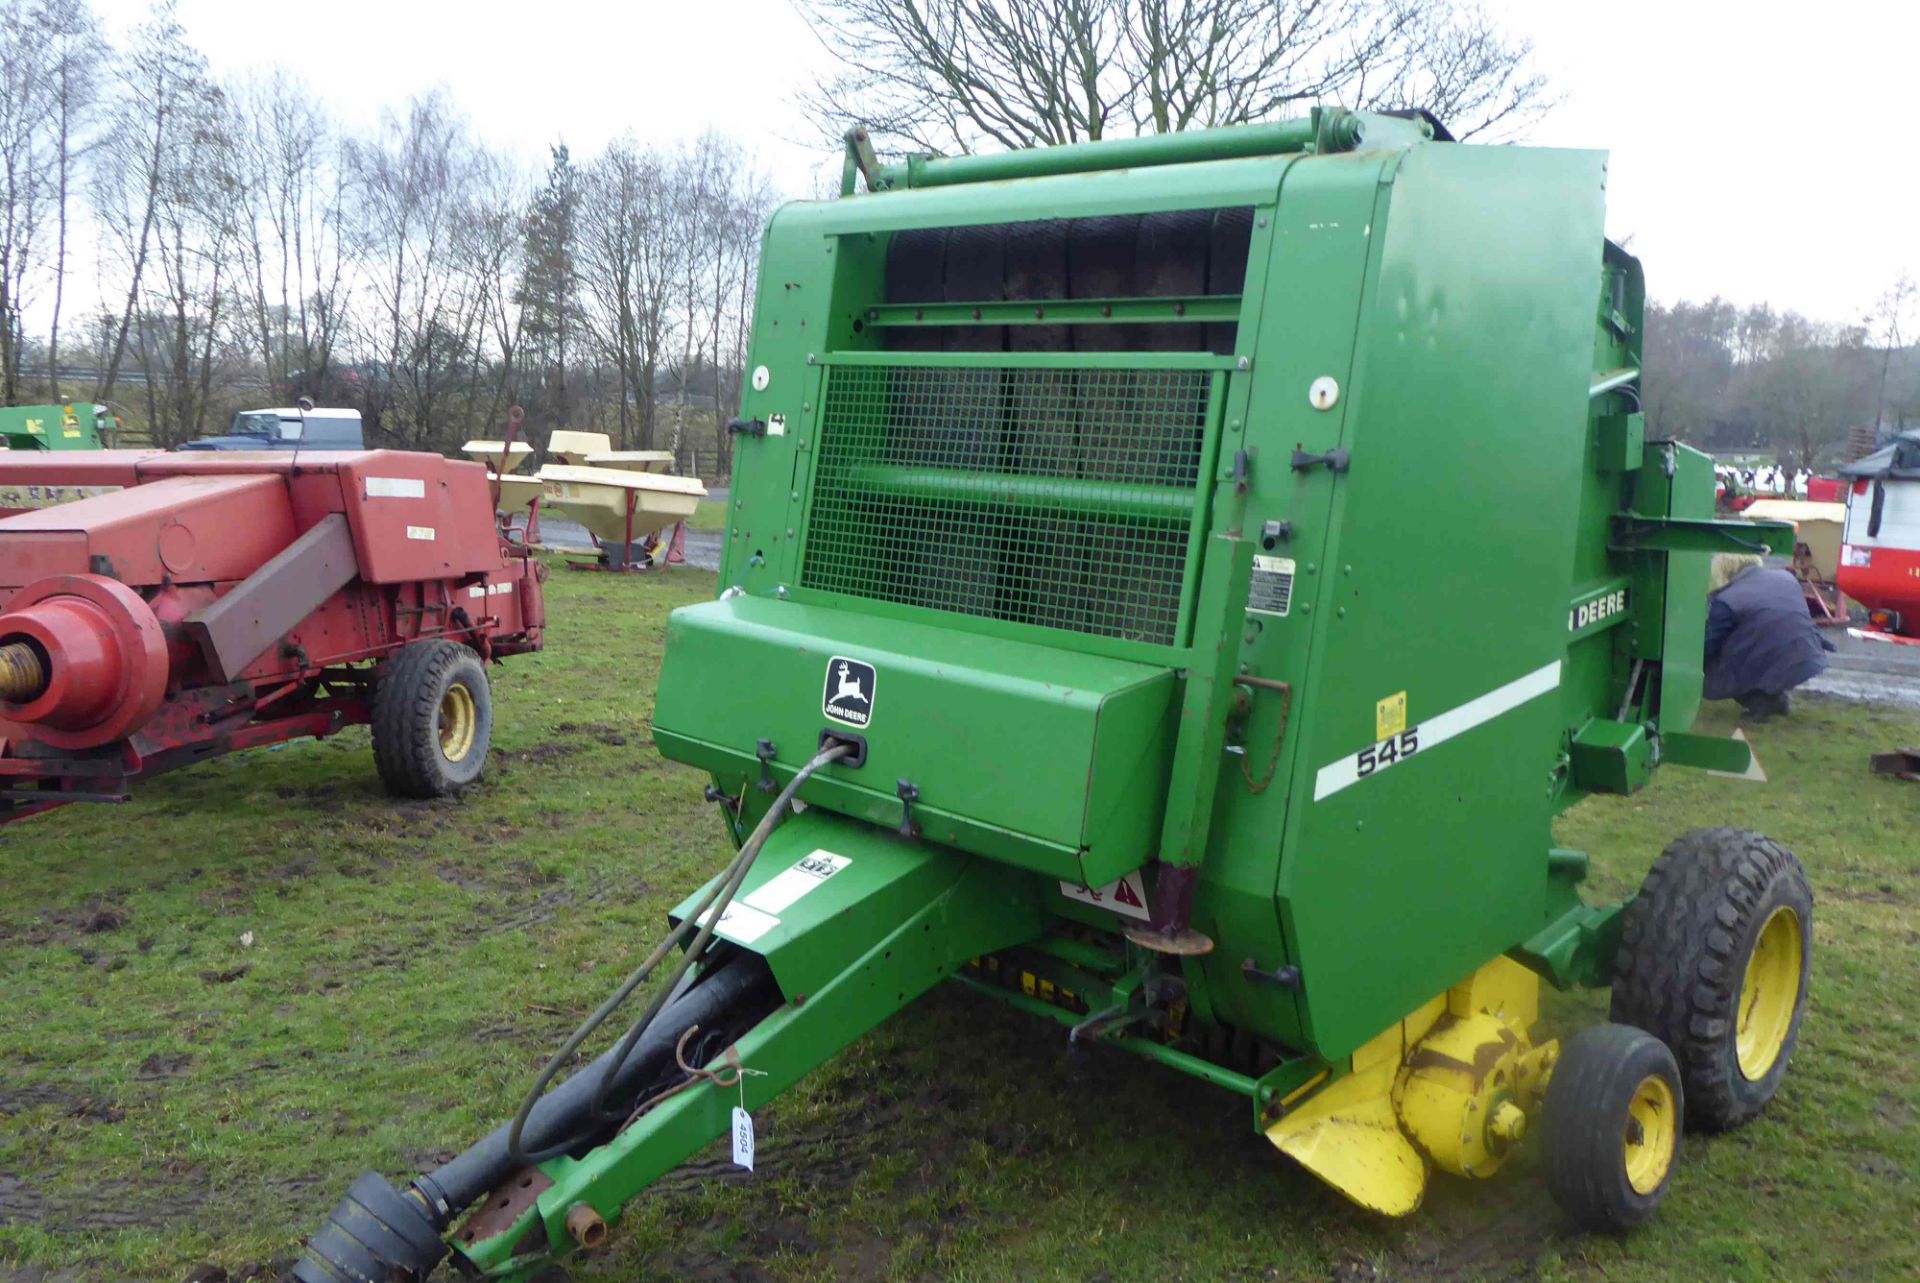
1270, 591
780, 891
741, 923
1127, 897
396, 488
742, 1138
420, 532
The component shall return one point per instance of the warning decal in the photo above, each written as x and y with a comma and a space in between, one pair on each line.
1271, 591
1127, 897
779, 892
741, 923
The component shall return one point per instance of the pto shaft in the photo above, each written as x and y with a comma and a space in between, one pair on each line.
22, 674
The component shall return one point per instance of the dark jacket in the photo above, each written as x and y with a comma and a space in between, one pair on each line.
1760, 639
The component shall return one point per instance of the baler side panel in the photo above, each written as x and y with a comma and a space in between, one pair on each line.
419, 517
804, 271
182, 530
1478, 316
1601, 651
1305, 275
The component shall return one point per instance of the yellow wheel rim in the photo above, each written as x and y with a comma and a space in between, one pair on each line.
459, 723
1652, 1131
1769, 994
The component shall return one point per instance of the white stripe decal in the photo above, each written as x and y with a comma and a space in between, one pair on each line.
1395, 749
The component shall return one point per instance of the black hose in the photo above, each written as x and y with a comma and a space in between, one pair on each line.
565, 1119
704, 916
379, 1232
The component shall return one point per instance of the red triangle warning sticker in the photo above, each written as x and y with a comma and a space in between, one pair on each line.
1126, 897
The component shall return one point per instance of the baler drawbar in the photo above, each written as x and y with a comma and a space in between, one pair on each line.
1183, 579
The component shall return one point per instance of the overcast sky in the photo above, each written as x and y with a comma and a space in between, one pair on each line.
1759, 148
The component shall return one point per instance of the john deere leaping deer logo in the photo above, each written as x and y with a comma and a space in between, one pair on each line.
848, 698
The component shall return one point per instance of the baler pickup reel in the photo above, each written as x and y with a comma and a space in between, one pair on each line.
1189, 575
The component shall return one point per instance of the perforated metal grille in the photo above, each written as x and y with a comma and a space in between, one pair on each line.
1058, 498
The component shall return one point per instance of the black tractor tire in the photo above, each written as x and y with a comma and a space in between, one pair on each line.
1611, 1126
1686, 969
432, 720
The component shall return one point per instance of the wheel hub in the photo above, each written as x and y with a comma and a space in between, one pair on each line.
1769, 994
459, 723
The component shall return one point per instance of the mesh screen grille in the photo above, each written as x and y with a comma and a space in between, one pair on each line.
1059, 498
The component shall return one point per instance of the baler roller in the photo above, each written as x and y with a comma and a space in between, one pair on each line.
1180, 253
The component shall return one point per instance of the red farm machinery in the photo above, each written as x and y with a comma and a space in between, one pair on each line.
160, 609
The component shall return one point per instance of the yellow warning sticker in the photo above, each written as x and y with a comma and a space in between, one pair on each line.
1390, 715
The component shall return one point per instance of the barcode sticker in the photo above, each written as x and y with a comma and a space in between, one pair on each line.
1271, 592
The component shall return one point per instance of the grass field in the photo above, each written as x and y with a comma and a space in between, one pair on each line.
173, 1096
708, 516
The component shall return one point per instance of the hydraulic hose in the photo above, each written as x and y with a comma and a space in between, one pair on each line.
564, 1118
378, 1231
701, 922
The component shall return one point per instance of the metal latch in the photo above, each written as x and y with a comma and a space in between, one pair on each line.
909, 794
764, 750
1335, 459
1286, 977
747, 427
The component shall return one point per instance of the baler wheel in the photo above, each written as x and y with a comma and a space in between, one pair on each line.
1713, 960
1612, 1126
432, 720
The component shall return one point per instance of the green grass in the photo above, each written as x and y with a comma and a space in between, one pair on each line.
171, 1096
709, 516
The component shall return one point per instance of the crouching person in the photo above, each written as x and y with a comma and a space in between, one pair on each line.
1761, 643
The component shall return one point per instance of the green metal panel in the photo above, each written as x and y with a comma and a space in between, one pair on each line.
1611, 757
1408, 863
50, 427
1043, 757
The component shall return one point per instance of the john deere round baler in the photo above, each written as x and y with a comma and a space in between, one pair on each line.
1183, 578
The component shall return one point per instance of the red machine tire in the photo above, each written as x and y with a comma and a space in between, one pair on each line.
432, 720
106, 659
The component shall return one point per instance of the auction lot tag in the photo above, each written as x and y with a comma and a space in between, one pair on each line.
742, 1138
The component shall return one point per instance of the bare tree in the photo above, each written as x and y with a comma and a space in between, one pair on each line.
628, 247
184, 332
151, 109
23, 177
433, 249
77, 62
292, 257
1890, 318
951, 75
